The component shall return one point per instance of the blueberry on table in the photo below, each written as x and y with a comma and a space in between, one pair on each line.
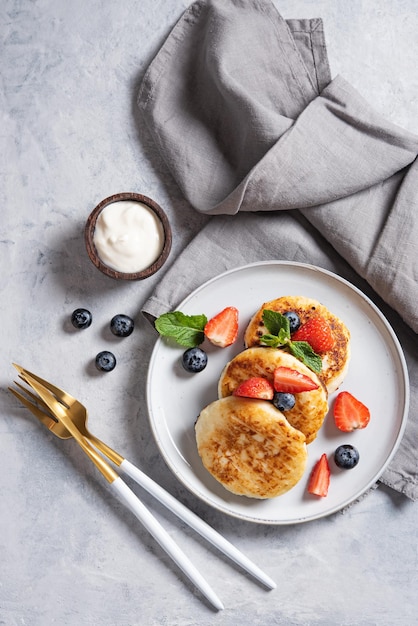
105, 361
346, 456
284, 401
294, 320
81, 318
194, 360
121, 325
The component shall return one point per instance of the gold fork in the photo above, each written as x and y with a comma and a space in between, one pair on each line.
78, 414
121, 489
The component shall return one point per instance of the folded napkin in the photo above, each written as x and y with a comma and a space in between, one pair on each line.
290, 165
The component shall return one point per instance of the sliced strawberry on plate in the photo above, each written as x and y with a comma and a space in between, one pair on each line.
320, 478
350, 413
317, 332
222, 329
288, 380
255, 387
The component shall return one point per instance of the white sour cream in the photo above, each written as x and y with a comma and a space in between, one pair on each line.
128, 236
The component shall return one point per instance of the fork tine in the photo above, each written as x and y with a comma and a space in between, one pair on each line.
37, 401
64, 397
46, 420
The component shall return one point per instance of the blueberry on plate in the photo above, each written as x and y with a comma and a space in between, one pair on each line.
121, 325
284, 401
81, 318
294, 320
105, 361
346, 456
194, 360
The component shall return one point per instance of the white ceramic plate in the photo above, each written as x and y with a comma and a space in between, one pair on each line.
377, 376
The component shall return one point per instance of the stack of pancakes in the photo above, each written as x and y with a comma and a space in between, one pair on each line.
248, 445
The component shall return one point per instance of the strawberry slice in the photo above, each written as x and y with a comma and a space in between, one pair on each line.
255, 387
320, 478
222, 329
350, 413
317, 332
288, 380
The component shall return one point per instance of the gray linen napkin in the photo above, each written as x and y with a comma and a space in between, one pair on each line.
291, 165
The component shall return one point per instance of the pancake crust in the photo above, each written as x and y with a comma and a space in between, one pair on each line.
310, 407
249, 447
334, 362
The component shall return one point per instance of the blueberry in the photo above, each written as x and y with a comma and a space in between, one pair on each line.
105, 361
194, 360
294, 320
346, 456
81, 318
284, 401
121, 325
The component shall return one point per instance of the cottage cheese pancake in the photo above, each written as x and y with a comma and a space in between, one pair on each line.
249, 447
334, 361
310, 407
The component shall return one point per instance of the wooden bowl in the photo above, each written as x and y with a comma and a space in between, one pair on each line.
91, 248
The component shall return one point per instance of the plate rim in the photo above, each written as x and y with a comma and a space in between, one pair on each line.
406, 393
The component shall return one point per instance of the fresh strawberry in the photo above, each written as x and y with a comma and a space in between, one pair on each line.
350, 413
317, 332
288, 380
222, 330
319, 481
255, 387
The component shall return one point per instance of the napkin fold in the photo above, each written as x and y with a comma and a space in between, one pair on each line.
290, 163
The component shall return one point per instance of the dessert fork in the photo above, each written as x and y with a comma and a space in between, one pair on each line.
46, 402
124, 493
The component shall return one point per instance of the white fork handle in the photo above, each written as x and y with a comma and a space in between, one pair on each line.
164, 539
195, 522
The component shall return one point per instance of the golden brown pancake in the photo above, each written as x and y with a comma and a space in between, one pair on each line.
249, 447
310, 407
335, 361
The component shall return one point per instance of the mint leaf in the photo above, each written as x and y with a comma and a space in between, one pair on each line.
283, 337
278, 327
303, 351
272, 341
187, 330
276, 323
279, 337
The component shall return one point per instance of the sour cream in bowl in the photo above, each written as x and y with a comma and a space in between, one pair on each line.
128, 236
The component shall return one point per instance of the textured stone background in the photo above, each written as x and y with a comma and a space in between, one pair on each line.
69, 554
